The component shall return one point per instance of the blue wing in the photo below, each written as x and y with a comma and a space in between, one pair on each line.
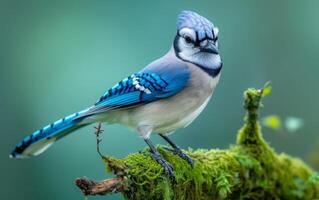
157, 81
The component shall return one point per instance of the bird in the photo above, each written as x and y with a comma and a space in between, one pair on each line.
167, 95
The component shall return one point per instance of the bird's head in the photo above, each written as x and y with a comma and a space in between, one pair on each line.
197, 41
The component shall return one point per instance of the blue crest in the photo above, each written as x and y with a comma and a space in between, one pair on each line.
201, 25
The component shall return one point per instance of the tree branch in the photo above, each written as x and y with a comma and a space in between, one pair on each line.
251, 169
89, 187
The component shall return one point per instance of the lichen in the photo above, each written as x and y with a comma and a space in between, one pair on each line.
251, 169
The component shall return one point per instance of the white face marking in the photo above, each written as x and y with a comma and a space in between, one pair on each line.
216, 31
206, 59
187, 32
195, 56
203, 43
189, 52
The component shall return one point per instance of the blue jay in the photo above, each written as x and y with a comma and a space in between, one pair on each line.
166, 95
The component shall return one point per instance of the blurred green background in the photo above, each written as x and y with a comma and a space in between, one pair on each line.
59, 57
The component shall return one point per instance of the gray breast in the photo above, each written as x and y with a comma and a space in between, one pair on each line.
175, 112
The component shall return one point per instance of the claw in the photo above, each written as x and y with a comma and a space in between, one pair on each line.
168, 168
181, 154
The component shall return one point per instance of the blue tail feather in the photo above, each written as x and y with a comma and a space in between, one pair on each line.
40, 140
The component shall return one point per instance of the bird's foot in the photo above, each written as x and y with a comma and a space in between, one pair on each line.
181, 154
168, 168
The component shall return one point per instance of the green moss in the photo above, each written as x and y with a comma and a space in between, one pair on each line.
251, 169
148, 182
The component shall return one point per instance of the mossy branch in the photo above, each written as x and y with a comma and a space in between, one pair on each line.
251, 169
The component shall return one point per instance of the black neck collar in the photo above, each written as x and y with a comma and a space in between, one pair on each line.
212, 72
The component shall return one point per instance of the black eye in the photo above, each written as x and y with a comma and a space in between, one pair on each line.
188, 39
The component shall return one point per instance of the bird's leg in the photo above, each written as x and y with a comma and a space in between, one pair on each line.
160, 160
178, 151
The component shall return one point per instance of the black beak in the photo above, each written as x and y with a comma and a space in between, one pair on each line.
210, 48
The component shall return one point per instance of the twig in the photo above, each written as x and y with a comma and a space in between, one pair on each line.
89, 187
98, 132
